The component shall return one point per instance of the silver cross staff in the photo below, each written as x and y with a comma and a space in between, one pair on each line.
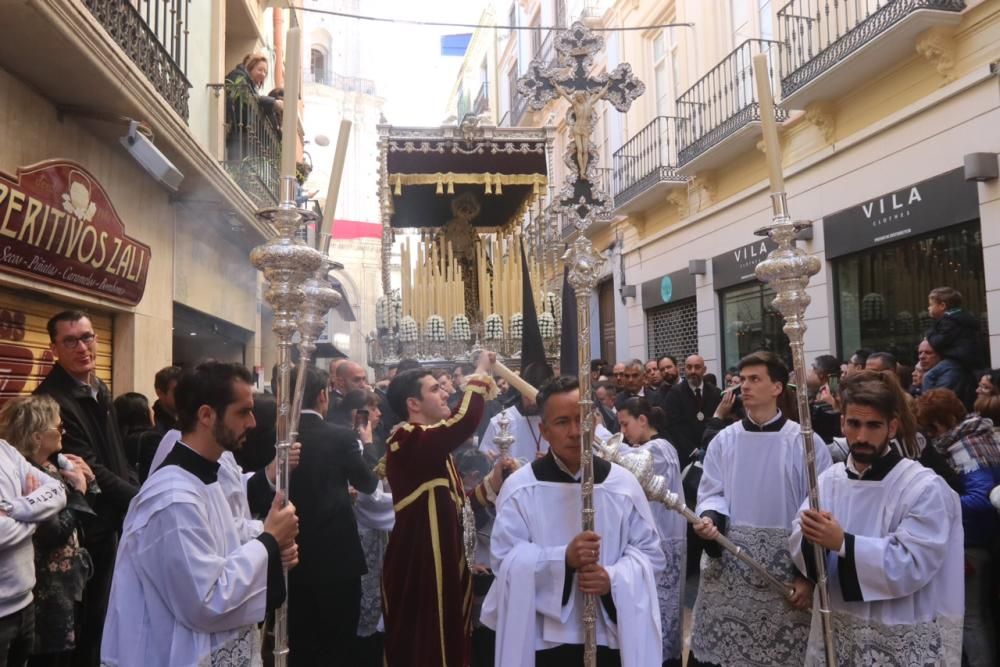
581, 201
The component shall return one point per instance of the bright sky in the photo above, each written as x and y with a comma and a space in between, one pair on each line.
405, 60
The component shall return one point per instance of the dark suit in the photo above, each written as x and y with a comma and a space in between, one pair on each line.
92, 434
682, 408
324, 591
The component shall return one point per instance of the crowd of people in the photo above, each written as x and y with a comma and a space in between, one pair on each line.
146, 535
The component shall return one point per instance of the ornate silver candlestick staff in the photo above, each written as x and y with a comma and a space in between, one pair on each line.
581, 201
286, 263
318, 298
787, 270
504, 438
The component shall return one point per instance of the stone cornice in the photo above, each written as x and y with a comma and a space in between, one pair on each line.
78, 27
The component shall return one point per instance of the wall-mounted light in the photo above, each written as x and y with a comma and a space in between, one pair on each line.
804, 234
628, 291
697, 267
981, 167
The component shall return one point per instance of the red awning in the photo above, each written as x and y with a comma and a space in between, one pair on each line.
355, 229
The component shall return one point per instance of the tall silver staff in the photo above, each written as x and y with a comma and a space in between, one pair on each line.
787, 270
286, 263
581, 201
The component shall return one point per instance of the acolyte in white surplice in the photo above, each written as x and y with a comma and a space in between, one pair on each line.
754, 479
673, 539
189, 586
897, 595
533, 605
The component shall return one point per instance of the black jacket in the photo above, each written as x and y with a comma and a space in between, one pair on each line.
329, 546
684, 429
956, 336
92, 434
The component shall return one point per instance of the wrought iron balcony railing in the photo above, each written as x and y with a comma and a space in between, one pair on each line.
518, 105
821, 33
253, 144
546, 51
154, 34
647, 158
723, 101
482, 102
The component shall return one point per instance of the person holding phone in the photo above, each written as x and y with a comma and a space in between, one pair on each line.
823, 382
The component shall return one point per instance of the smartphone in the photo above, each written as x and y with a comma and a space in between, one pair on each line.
360, 419
833, 383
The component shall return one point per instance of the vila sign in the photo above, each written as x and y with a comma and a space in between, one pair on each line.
738, 265
57, 225
938, 202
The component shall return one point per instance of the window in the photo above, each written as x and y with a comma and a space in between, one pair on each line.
512, 88
536, 37
742, 28
765, 20
882, 292
750, 324
663, 74
317, 66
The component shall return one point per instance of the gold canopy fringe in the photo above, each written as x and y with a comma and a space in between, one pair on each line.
445, 182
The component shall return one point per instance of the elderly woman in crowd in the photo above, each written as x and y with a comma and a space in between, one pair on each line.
62, 567
972, 449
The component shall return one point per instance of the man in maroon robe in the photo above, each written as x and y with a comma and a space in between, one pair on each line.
427, 588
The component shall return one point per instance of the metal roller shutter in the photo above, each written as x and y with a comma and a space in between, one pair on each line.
673, 330
25, 358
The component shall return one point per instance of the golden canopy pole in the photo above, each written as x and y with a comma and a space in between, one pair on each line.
787, 270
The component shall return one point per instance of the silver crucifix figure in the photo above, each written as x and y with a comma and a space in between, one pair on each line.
582, 201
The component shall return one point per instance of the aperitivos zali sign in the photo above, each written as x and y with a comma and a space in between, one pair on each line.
58, 225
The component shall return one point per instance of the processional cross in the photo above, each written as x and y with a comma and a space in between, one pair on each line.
582, 201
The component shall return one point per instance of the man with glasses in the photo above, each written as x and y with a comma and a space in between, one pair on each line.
91, 433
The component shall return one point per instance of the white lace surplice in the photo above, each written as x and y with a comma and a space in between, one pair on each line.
758, 480
186, 590
910, 569
673, 540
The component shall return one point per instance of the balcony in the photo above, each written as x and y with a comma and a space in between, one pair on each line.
720, 116
833, 47
154, 35
482, 101
645, 167
518, 105
253, 145
352, 84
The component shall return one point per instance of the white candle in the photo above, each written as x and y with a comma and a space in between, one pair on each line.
290, 120
768, 124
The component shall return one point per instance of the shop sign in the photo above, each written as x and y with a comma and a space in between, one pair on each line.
667, 289
58, 226
737, 266
942, 201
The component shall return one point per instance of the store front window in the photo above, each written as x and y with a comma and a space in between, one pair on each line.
751, 324
882, 292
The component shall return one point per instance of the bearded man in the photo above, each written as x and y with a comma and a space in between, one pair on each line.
190, 586
891, 533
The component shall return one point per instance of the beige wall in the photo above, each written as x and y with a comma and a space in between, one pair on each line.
196, 258
212, 270
30, 132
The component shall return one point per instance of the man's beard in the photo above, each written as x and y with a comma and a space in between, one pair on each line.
226, 438
867, 453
